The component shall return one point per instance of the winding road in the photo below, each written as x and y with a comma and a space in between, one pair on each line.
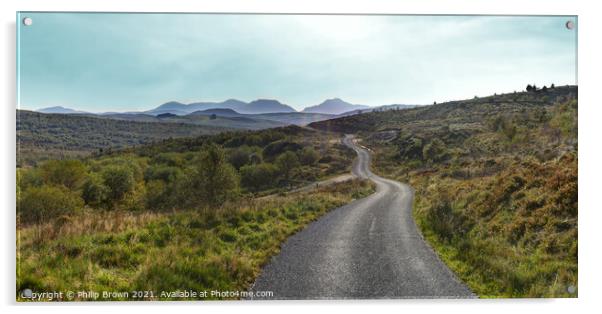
370, 248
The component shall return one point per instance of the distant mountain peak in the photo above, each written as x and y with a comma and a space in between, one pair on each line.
59, 109
334, 106
268, 106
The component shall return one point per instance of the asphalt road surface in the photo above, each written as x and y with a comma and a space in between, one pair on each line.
370, 248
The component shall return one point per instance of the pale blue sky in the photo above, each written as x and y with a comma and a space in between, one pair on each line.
122, 62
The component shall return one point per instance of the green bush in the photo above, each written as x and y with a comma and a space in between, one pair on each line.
286, 163
119, 180
240, 156
308, 156
212, 179
434, 151
69, 173
162, 172
94, 191
257, 177
157, 194
41, 204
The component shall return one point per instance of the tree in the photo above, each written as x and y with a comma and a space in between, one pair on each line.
286, 163
529, 88
308, 156
257, 177
239, 157
69, 173
213, 180
552, 86
119, 179
94, 192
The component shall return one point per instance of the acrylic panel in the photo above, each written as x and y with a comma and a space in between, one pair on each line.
192, 156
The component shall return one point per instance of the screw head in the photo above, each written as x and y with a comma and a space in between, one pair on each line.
571, 289
569, 24
27, 21
27, 293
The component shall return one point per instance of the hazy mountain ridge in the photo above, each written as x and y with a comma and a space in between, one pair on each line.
334, 106
59, 109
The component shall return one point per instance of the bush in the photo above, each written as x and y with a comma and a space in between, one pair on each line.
40, 204
212, 180
158, 195
240, 157
434, 151
69, 173
308, 156
167, 174
119, 180
287, 162
94, 191
276, 148
257, 177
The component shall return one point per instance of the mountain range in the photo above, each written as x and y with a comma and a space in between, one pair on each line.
234, 113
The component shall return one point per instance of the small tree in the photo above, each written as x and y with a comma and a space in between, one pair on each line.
308, 156
529, 88
94, 192
286, 163
239, 157
119, 180
257, 177
213, 180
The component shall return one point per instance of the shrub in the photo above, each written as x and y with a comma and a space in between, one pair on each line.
212, 179
160, 172
287, 162
279, 147
40, 204
239, 157
434, 151
119, 180
308, 156
257, 177
94, 191
69, 173
157, 194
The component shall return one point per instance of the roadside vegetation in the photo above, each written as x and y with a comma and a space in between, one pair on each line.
175, 215
212, 248
496, 185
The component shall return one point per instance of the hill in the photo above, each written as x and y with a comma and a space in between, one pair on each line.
179, 214
334, 106
59, 109
496, 184
222, 112
254, 107
41, 136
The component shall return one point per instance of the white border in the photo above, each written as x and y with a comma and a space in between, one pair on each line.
589, 128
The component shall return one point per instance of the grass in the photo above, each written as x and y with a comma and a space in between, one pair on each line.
497, 196
203, 250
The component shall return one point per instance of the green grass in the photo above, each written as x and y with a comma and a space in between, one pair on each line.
497, 196
218, 249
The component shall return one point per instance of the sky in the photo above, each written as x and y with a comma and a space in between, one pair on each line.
101, 62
